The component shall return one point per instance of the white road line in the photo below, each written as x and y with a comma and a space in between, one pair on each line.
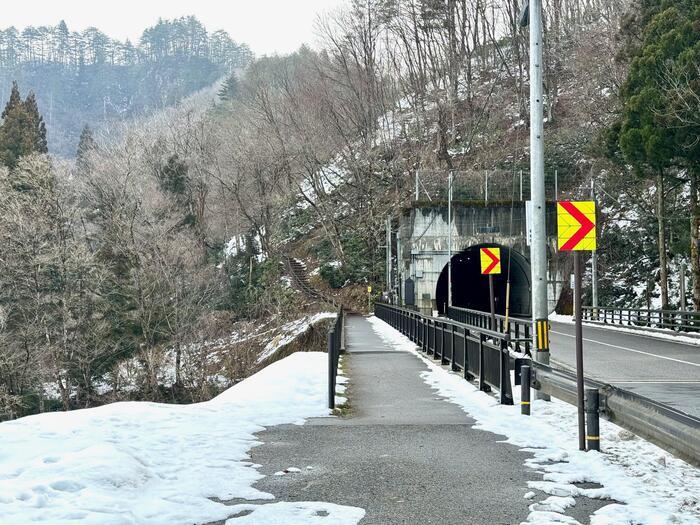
630, 349
656, 382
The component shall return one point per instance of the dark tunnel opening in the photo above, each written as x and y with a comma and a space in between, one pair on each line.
470, 289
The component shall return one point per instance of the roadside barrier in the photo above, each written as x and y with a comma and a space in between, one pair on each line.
483, 355
336, 346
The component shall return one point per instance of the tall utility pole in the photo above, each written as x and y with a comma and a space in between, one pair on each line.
538, 249
449, 240
389, 284
594, 265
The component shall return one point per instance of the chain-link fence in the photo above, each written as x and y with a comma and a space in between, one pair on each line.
495, 185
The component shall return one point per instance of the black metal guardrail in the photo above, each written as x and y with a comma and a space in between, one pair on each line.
336, 346
675, 320
518, 328
482, 354
477, 352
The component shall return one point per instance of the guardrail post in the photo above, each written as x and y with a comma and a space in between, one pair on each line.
525, 390
505, 393
482, 383
453, 367
331, 369
443, 361
592, 419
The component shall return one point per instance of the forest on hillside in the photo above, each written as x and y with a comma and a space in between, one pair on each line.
124, 263
86, 78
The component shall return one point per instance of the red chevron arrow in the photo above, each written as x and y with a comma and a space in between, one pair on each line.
585, 222
494, 261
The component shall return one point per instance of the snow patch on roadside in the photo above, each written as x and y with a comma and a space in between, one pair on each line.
297, 513
653, 486
156, 463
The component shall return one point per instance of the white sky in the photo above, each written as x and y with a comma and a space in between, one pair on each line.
267, 26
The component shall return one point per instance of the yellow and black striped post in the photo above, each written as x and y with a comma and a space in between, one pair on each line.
542, 335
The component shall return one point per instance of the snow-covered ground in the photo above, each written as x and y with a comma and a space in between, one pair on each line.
651, 486
148, 463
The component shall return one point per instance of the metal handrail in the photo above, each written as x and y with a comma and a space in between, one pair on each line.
676, 320
336, 346
518, 328
440, 338
479, 353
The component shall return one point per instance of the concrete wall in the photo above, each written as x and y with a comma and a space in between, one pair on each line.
423, 240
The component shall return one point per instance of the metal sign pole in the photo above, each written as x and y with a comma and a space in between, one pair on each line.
449, 241
493, 304
579, 352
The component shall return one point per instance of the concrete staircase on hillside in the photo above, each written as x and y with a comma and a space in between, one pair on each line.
297, 271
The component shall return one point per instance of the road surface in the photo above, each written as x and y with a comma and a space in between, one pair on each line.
401, 453
663, 370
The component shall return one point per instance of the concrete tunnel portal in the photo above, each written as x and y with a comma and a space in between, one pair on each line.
470, 289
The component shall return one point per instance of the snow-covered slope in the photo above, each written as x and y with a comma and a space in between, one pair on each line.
148, 463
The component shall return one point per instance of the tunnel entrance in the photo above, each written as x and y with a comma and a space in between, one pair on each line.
470, 289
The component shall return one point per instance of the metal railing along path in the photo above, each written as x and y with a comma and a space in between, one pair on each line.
519, 329
483, 354
478, 353
336, 346
676, 320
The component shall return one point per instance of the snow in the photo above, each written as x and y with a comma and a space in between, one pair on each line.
651, 486
297, 513
237, 244
138, 463
675, 337
290, 331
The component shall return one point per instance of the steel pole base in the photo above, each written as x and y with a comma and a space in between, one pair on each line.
543, 358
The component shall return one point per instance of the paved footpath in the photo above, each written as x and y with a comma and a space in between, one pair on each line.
401, 453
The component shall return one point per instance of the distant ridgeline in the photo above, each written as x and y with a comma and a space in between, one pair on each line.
88, 78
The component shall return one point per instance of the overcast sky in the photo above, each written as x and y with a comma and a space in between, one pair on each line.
267, 26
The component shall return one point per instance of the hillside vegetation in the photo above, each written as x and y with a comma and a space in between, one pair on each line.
174, 233
88, 78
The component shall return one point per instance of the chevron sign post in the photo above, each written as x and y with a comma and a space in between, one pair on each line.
490, 261
576, 228
491, 265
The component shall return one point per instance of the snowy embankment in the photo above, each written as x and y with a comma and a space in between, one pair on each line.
148, 463
291, 331
651, 486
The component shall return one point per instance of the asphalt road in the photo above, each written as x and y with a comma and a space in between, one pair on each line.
401, 453
663, 370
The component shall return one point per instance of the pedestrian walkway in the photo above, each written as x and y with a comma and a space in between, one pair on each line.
400, 452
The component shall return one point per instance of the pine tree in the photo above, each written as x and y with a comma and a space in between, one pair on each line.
23, 130
37, 129
86, 146
652, 134
229, 89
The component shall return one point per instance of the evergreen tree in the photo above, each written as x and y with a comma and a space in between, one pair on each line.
653, 134
37, 128
229, 89
86, 146
23, 131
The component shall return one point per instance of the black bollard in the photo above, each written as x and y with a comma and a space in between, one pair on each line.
525, 390
592, 419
